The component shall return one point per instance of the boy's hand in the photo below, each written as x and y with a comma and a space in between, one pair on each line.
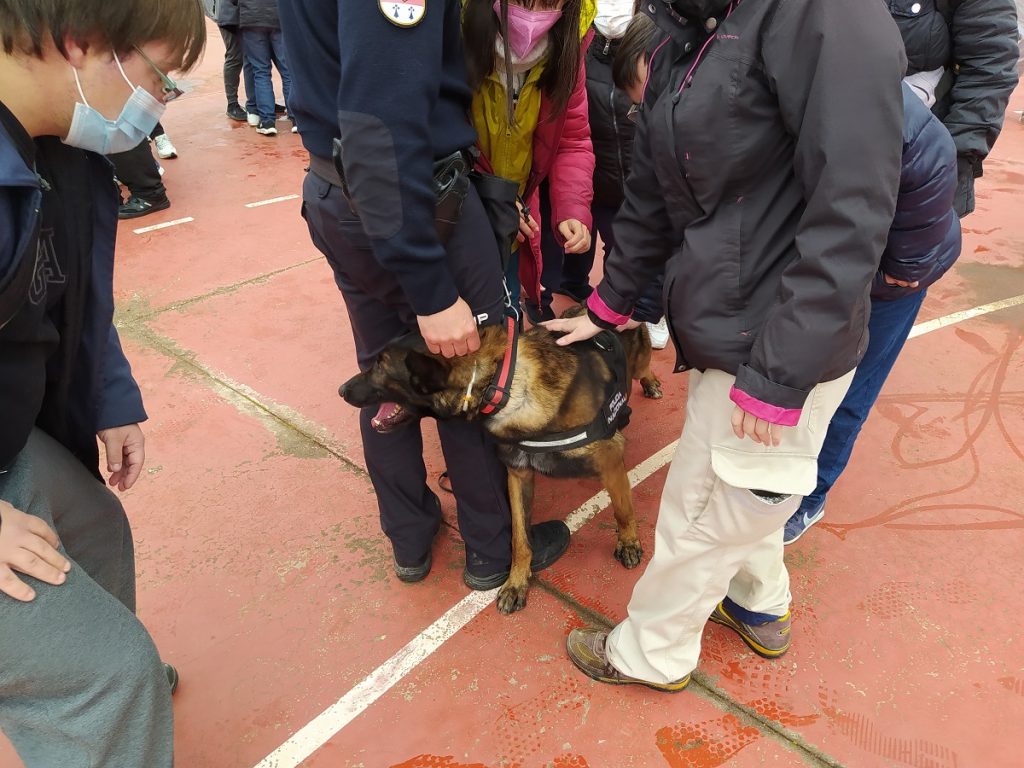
28, 546
577, 236
579, 328
901, 283
126, 453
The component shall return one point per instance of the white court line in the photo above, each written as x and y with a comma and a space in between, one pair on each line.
271, 200
176, 222
967, 314
325, 725
329, 722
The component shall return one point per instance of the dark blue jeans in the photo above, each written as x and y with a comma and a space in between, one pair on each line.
889, 327
264, 46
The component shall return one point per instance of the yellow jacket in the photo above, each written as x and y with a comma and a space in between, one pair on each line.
510, 148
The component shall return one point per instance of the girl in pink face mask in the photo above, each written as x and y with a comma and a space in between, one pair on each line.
525, 62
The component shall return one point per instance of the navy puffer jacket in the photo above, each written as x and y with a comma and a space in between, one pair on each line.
924, 239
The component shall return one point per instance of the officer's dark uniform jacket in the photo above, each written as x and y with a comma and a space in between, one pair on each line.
61, 364
976, 42
611, 131
766, 190
420, 71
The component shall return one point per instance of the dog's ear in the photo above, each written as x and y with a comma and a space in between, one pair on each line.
427, 375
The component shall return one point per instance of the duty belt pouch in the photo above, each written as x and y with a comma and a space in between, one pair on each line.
498, 196
451, 185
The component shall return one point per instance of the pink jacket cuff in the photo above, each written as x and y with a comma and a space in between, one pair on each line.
596, 305
773, 414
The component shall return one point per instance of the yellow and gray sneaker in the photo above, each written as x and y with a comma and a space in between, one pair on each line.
586, 651
770, 640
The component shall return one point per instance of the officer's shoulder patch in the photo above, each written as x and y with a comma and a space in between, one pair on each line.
403, 13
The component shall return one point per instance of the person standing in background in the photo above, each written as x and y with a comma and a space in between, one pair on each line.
264, 46
962, 62
225, 14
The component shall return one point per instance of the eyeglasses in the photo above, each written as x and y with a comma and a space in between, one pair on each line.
635, 112
171, 90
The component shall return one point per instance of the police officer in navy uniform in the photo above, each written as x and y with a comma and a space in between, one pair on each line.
395, 92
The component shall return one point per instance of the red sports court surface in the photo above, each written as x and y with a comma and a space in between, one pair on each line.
263, 574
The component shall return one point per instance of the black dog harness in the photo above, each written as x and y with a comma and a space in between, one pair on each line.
613, 415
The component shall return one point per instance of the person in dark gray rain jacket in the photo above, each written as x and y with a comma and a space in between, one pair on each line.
962, 62
764, 183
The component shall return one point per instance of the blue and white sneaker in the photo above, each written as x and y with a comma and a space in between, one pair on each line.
801, 520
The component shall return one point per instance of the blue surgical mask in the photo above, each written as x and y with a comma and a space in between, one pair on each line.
92, 131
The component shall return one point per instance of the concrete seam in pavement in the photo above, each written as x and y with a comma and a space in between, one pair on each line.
222, 291
234, 392
702, 685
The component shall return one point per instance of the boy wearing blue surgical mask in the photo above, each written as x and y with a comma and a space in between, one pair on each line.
78, 79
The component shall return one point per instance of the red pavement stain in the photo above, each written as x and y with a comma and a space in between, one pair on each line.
957, 424
862, 731
432, 761
570, 761
568, 582
557, 708
708, 744
1013, 684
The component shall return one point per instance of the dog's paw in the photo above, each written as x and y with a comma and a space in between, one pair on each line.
651, 387
512, 598
629, 553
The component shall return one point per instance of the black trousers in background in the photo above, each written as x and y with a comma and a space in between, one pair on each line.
138, 170
379, 312
236, 68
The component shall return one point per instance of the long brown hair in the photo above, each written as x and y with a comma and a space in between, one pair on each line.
481, 27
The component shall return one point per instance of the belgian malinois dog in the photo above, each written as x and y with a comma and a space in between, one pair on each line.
545, 417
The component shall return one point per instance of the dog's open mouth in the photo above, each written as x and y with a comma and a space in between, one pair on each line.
390, 416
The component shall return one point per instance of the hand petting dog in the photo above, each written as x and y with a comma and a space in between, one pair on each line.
744, 424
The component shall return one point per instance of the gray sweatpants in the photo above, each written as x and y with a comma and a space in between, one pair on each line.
81, 683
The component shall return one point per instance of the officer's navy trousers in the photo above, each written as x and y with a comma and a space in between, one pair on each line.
379, 312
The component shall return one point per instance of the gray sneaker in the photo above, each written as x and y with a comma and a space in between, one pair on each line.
586, 651
769, 640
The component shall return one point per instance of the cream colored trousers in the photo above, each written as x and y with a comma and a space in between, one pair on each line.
714, 537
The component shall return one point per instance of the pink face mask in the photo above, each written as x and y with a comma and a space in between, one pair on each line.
526, 27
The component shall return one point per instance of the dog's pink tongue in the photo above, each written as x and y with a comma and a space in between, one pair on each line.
387, 415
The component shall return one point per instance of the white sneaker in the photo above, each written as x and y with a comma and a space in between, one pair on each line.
160, 169
267, 129
164, 148
252, 119
659, 334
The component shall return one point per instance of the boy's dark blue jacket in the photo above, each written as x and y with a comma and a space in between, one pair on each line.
925, 237
398, 98
101, 392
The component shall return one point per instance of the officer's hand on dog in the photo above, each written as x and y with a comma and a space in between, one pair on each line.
28, 546
760, 431
576, 234
450, 332
126, 454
